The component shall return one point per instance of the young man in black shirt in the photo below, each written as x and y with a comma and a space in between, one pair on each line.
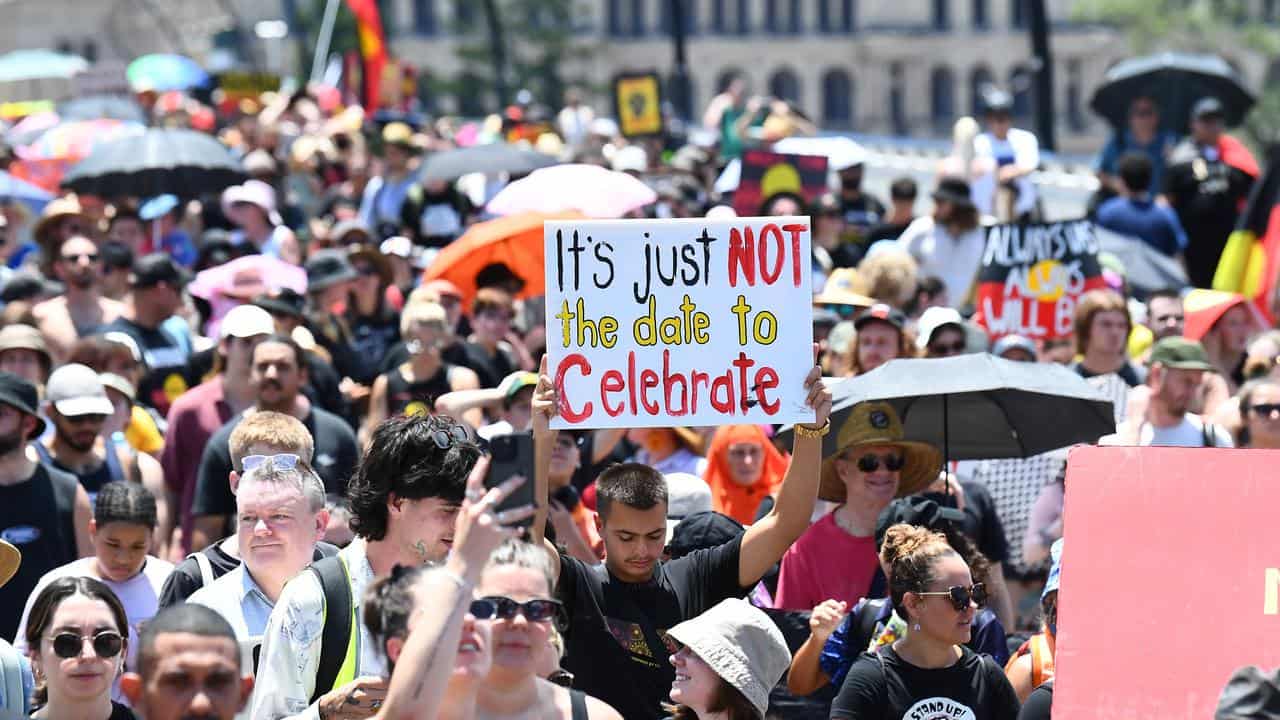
155, 295
617, 647
277, 374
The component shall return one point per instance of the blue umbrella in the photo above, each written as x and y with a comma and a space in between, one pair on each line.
162, 73
11, 188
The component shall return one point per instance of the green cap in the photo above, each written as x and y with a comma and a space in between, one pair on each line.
518, 382
1180, 354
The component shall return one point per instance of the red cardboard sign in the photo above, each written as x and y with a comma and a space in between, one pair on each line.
1170, 580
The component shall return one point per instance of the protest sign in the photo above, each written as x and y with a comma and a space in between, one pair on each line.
637, 97
660, 323
1033, 274
1170, 580
765, 174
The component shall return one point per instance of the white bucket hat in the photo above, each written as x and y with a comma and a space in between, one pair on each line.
742, 645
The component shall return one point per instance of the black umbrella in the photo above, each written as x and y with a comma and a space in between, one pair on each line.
185, 163
92, 107
1175, 81
449, 165
1145, 268
980, 407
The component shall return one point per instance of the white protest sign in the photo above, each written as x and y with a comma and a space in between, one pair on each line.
666, 323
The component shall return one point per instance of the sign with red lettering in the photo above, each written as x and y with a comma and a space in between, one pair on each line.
1170, 580
665, 323
1031, 276
766, 173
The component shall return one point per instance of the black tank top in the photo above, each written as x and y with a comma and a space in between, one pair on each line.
417, 398
37, 517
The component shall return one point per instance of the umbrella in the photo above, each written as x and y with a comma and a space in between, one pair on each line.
76, 140
30, 128
980, 407
185, 163
841, 152
1175, 81
1145, 268
12, 188
91, 107
590, 189
450, 165
165, 72
515, 240
39, 64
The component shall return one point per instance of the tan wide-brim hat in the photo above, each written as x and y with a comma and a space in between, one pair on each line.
877, 423
10, 559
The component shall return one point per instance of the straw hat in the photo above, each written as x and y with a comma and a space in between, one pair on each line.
877, 423
57, 209
10, 559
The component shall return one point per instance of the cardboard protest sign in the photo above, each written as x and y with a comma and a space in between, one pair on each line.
1170, 580
662, 323
1033, 274
237, 86
765, 174
637, 97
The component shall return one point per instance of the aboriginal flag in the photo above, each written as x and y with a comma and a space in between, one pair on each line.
373, 49
1251, 259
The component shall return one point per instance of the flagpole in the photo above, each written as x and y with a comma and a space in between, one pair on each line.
324, 39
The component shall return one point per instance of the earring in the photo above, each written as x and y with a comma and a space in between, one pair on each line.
916, 627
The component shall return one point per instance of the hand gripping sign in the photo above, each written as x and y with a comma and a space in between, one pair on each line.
662, 323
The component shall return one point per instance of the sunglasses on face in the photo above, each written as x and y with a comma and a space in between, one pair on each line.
952, 349
85, 419
366, 271
961, 596
77, 257
504, 608
106, 644
1143, 112
283, 461
1265, 409
871, 463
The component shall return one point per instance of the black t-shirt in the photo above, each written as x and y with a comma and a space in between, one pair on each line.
1206, 193
121, 712
887, 231
617, 646
862, 214
186, 579
1132, 376
372, 338
1039, 703
38, 517
335, 459
889, 688
166, 361
490, 368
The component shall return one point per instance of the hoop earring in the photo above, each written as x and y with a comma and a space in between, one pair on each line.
916, 627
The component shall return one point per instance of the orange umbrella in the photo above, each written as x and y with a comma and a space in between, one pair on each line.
515, 240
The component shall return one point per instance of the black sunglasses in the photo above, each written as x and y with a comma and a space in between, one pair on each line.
952, 349
1264, 409
106, 644
961, 596
504, 608
871, 463
444, 437
77, 257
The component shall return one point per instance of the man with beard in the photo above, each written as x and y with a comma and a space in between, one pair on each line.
861, 211
43, 511
155, 294
82, 309
277, 374
1177, 368
78, 406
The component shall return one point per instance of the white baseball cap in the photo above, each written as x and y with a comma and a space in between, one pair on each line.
244, 321
932, 320
75, 390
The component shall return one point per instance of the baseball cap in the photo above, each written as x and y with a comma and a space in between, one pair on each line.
706, 529
244, 321
1180, 354
75, 390
934, 319
520, 382
1207, 107
1014, 342
882, 313
22, 396
155, 268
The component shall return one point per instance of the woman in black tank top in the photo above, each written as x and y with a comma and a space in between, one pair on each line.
412, 387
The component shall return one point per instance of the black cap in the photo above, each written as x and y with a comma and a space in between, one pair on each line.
284, 301
1207, 107
328, 267
21, 395
702, 530
881, 312
151, 270
916, 510
954, 190
995, 100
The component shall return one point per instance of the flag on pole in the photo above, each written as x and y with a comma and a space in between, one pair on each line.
1250, 262
373, 49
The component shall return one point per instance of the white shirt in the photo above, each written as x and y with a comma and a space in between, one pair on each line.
1020, 148
140, 596
954, 260
238, 599
1188, 433
290, 655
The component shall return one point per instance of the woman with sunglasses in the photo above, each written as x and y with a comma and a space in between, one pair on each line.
1260, 411
76, 640
933, 591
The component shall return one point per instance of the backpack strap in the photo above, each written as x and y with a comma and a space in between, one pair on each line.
206, 568
339, 616
578, 704
11, 680
867, 624
1209, 437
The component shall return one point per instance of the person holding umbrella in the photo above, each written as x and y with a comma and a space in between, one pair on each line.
1142, 136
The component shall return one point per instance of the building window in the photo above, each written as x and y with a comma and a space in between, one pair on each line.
771, 23
1018, 13
941, 14
784, 85
897, 100
614, 18
835, 16
690, 8
981, 21
424, 17
837, 99
464, 13
783, 16
1020, 82
1075, 113
942, 98
979, 80
637, 18
744, 17
681, 95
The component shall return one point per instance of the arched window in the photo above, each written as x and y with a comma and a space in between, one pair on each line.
837, 99
942, 98
681, 95
424, 17
784, 85
981, 18
980, 79
637, 17
1021, 80
835, 16
614, 19
1018, 13
897, 100
941, 14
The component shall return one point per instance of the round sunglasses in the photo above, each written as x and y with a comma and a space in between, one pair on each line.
504, 608
871, 463
961, 596
106, 644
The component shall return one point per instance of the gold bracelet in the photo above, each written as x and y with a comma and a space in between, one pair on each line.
807, 431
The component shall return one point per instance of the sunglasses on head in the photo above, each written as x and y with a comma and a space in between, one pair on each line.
961, 596
445, 437
871, 463
283, 461
106, 644
504, 608
1265, 409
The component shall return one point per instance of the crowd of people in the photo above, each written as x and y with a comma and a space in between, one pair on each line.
244, 441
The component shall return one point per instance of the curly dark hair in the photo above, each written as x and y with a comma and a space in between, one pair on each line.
913, 552
410, 457
125, 502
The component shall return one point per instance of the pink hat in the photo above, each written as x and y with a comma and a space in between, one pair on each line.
254, 192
